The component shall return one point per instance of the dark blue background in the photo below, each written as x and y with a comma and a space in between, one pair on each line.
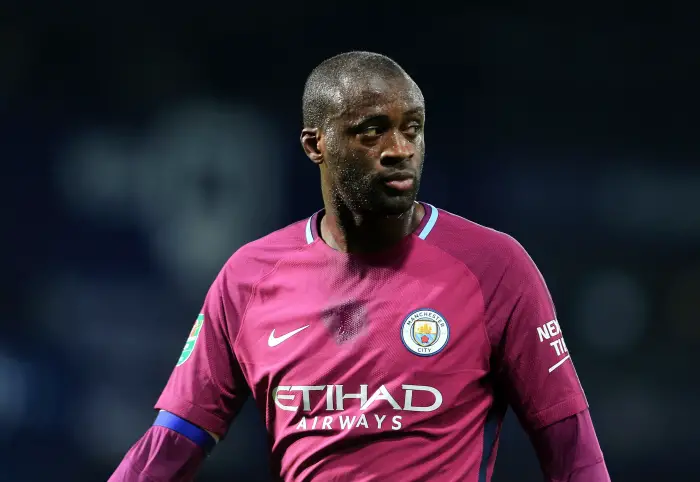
142, 144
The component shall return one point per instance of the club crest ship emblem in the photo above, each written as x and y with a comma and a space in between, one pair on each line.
425, 332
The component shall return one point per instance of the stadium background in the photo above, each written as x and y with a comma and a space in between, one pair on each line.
142, 144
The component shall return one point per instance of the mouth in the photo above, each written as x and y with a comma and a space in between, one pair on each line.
400, 181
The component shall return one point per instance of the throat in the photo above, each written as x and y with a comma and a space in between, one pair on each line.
353, 233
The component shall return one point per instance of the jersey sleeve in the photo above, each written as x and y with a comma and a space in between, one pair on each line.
161, 454
568, 450
534, 366
207, 386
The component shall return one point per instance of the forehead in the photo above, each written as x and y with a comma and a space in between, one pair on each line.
376, 94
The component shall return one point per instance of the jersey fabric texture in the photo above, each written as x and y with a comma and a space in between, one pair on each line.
397, 365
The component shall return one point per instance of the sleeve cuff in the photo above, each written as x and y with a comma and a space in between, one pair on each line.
196, 434
559, 411
194, 414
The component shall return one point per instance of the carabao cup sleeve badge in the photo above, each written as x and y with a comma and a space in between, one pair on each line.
191, 340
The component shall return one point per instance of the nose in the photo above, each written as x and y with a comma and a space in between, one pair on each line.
398, 149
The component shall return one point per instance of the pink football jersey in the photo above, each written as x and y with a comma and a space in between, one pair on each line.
391, 366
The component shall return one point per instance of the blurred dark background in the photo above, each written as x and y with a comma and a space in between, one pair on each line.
142, 144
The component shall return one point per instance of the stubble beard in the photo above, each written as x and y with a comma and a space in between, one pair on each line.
365, 195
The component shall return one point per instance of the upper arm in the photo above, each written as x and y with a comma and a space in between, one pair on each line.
207, 386
533, 365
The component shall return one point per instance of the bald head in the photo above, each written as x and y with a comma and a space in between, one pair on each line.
363, 127
335, 77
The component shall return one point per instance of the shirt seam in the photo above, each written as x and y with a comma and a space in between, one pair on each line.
536, 416
141, 473
198, 407
482, 320
254, 289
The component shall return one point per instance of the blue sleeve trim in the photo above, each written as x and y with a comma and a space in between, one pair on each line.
183, 427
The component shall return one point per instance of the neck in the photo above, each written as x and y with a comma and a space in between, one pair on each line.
350, 232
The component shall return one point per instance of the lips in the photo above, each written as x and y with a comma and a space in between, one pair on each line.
400, 181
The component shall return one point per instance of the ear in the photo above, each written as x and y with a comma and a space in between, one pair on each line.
312, 140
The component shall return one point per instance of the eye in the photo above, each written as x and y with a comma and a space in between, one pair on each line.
413, 129
371, 131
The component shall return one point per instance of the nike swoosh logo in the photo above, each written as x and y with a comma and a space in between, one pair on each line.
272, 341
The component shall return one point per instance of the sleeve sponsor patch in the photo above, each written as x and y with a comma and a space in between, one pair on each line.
191, 340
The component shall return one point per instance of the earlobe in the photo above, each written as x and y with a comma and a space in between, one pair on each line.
312, 142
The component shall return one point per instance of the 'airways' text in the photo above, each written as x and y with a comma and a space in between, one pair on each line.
347, 422
358, 404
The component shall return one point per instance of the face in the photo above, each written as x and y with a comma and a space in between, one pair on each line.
371, 149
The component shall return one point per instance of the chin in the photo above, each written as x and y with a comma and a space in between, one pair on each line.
395, 205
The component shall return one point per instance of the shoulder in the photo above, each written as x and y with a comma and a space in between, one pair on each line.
472, 243
487, 252
506, 274
257, 258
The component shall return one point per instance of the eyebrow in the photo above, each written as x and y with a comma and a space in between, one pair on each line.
361, 119
415, 110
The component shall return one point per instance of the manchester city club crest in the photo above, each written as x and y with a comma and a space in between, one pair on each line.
425, 332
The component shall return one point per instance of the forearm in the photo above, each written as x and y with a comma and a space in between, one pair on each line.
160, 455
569, 451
